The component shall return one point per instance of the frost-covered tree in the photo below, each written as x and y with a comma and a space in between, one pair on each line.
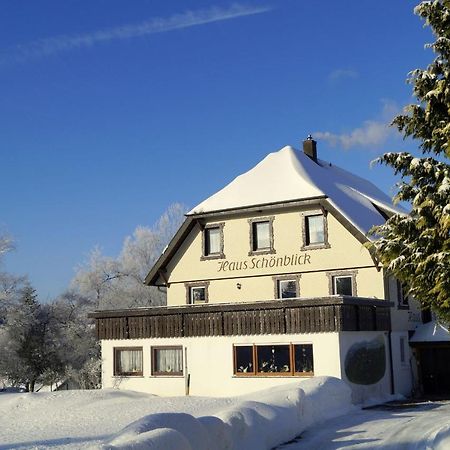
113, 283
416, 247
28, 342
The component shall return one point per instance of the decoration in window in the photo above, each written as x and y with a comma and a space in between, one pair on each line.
167, 361
198, 295
261, 236
128, 361
272, 360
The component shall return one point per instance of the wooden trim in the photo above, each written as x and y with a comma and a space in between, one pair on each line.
155, 348
256, 373
116, 371
290, 316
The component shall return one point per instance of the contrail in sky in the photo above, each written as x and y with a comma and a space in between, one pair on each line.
63, 43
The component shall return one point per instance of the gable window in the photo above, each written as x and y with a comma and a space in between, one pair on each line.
167, 361
261, 236
342, 282
287, 286
315, 230
196, 293
128, 361
212, 241
273, 360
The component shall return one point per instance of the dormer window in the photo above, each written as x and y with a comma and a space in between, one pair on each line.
261, 236
315, 230
212, 241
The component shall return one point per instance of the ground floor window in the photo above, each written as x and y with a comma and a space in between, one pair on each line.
276, 359
167, 360
128, 361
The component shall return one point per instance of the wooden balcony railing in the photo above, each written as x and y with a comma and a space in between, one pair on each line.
289, 316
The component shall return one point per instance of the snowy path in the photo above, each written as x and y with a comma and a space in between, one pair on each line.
411, 427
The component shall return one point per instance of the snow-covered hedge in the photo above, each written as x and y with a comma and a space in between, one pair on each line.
261, 420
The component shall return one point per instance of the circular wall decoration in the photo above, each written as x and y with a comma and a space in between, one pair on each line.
365, 362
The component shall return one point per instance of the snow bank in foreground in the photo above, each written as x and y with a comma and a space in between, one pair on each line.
261, 420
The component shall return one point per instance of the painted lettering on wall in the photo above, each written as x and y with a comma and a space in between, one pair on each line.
264, 262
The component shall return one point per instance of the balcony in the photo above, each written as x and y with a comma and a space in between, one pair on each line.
288, 316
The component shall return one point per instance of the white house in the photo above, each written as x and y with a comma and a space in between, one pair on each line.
268, 280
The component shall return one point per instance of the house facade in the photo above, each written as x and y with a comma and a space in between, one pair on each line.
269, 280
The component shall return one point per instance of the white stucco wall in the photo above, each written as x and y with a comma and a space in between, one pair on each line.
210, 364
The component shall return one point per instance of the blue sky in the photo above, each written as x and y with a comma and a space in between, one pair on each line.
111, 110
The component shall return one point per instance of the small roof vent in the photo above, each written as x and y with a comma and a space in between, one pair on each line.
310, 148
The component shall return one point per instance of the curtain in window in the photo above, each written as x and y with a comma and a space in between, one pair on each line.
169, 360
262, 235
315, 229
130, 361
213, 240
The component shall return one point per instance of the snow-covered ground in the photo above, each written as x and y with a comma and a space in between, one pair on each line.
422, 426
112, 419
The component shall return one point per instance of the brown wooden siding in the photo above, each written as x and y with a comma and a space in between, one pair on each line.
329, 314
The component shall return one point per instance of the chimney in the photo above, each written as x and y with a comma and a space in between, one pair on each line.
310, 148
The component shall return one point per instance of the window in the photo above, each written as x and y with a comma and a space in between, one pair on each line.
212, 241
287, 286
342, 285
315, 230
303, 359
261, 236
402, 350
273, 360
402, 297
342, 282
128, 361
196, 293
167, 361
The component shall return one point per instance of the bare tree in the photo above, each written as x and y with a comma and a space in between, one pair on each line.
112, 283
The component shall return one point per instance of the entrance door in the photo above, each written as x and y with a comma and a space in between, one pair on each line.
435, 370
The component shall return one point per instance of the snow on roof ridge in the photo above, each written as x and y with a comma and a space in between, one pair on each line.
289, 175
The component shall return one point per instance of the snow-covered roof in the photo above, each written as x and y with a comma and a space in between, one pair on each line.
290, 175
431, 332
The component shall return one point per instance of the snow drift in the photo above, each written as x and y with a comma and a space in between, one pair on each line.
261, 420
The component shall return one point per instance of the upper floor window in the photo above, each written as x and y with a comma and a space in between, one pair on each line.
196, 293
342, 282
287, 286
212, 241
261, 235
315, 230
128, 361
402, 297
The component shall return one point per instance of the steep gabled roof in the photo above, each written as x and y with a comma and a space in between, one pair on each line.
289, 175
